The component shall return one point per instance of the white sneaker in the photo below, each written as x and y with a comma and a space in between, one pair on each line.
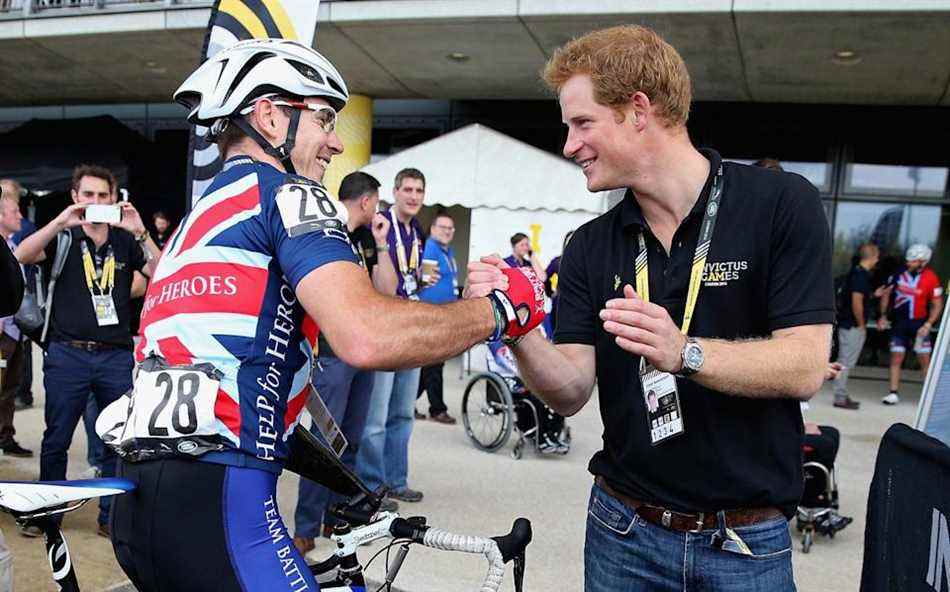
92, 473
892, 398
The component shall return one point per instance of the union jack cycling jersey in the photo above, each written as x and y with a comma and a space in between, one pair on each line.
223, 293
913, 293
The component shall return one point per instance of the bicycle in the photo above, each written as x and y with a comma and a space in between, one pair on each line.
35, 503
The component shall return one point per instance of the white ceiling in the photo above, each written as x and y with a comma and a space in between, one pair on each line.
736, 50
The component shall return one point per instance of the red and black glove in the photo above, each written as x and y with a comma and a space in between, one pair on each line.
519, 309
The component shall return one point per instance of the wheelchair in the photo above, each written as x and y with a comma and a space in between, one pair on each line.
817, 512
494, 406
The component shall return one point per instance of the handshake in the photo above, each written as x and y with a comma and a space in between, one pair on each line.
516, 294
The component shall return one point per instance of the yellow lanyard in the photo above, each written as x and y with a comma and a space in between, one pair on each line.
405, 267
107, 279
699, 259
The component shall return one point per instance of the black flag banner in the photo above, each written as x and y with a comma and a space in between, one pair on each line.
232, 21
907, 539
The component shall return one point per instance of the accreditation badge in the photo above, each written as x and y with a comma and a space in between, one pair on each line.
410, 285
662, 401
105, 310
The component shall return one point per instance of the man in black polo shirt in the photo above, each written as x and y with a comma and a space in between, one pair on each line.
696, 494
90, 345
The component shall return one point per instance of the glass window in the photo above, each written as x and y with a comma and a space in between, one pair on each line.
892, 227
817, 173
886, 179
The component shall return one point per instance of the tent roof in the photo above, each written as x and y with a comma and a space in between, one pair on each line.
476, 166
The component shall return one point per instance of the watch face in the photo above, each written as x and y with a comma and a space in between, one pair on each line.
694, 356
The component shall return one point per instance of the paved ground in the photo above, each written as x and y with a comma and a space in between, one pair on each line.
473, 492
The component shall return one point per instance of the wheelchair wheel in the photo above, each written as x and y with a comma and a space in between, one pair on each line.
487, 412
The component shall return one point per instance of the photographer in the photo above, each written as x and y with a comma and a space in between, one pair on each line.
90, 343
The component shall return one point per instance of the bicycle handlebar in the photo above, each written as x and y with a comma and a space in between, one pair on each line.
497, 550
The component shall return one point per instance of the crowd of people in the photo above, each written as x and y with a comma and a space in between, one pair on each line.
700, 378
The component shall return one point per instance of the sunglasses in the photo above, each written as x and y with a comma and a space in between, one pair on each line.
324, 115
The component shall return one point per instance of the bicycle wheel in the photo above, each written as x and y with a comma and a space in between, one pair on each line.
487, 412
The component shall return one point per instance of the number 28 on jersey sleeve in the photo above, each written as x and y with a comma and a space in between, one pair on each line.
306, 208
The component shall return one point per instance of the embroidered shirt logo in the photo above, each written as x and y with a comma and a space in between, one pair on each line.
616, 282
720, 273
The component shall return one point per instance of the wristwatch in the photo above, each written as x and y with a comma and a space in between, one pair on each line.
693, 358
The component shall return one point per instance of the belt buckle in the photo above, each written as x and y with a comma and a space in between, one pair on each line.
701, 517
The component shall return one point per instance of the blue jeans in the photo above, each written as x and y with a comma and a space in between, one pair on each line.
94, 446
346, 393
69, 375
625, 552
383, 458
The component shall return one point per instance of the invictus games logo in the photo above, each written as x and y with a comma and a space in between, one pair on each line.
938, 564
720, 273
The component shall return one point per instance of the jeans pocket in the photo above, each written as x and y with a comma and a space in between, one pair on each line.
767, 540
610, 513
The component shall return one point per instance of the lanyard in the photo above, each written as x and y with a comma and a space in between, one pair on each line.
450, 260
106, 276
405, 267
699, 259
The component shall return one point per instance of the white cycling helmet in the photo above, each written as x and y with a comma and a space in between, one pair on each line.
248, 70
235, 77
918, 251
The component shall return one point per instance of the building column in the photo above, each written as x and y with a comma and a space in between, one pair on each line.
355, 130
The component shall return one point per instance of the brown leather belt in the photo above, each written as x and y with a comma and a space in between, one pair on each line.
90, 346
688, 522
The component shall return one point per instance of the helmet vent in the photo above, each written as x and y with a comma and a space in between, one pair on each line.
336, 86
247, 67
307, 71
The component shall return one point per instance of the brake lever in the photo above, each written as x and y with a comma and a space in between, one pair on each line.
519, 572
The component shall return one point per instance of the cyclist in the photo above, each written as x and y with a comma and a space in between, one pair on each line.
227, 334
918, 300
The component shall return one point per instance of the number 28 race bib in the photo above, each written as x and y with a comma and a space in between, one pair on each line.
169, 412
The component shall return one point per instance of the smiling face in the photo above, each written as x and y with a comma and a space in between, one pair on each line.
409, 196
443, 229
314, 147
603, 146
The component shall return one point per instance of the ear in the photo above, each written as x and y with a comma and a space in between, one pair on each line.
265, 119
75, 195
638, 109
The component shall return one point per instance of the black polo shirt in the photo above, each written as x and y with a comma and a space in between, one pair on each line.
73, 317
769, 268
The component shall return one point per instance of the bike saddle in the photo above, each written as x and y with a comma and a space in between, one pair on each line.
24, 497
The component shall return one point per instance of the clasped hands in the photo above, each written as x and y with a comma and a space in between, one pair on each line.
639, 327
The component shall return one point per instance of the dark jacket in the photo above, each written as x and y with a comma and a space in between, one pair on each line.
11, 282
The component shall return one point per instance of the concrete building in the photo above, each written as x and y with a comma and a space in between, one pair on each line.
853, 94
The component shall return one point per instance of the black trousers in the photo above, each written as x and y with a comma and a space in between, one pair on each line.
430, 382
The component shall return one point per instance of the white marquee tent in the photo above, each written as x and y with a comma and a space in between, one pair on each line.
495, 186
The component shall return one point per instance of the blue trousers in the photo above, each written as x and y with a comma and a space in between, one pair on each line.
625, 552
94, 446
69, 375
383, 458
346, 392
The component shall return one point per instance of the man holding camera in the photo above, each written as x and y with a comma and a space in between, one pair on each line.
90, 343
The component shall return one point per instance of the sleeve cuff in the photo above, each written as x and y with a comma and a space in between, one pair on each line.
576, 338
810, 317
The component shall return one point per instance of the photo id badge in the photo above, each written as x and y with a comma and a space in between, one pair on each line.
662, 401
105, 310
411, 286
